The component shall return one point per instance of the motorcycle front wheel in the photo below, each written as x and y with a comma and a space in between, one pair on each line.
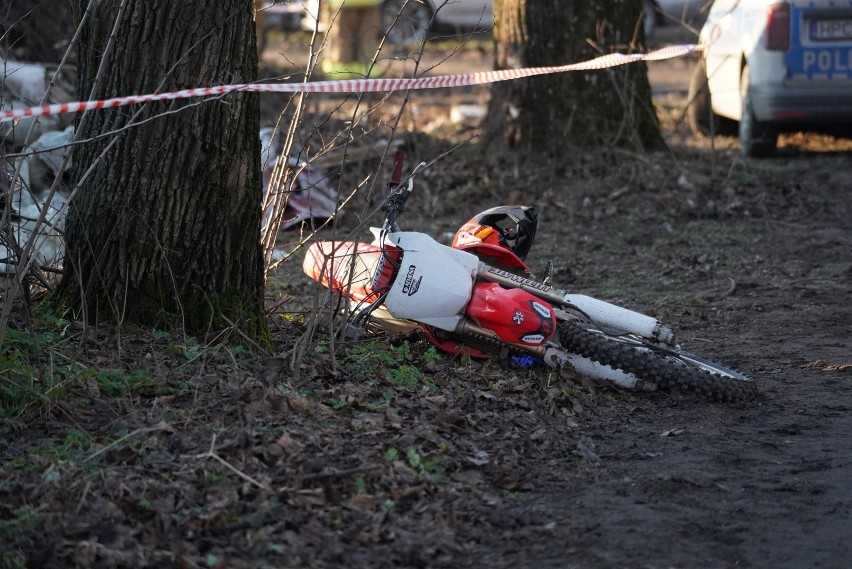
667, 368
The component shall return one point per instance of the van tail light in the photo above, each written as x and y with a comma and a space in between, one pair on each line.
777, 35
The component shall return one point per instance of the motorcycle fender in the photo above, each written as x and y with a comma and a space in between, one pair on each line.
434, 282
513, 314
345, 267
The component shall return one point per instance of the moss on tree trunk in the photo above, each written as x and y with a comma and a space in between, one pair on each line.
581, 109
165, 227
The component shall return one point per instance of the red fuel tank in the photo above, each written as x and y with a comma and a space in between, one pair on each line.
513, 314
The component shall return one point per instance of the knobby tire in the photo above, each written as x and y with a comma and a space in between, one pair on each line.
664, 370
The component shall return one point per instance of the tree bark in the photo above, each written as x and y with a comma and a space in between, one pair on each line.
582, 109
165, 229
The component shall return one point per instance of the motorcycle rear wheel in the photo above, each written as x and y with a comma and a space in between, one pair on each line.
667, 368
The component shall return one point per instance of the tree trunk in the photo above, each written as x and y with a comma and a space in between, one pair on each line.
165, 229
580, 109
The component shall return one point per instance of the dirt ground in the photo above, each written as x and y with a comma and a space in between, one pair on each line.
154, 451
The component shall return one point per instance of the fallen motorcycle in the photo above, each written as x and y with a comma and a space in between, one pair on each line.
478, 297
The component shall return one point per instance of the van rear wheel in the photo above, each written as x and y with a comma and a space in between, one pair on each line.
699, 112
757, 139
404, 22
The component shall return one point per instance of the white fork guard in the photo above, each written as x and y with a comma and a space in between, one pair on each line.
590, 368
612, 316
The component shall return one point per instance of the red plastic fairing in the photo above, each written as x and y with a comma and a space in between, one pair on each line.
385, 272
513, 314
452, 347
345, 267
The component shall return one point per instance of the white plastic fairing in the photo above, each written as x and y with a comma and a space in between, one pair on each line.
434, 282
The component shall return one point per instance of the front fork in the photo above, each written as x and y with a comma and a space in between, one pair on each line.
600, 313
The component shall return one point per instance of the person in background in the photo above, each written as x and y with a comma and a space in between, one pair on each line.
352, 38
260, 26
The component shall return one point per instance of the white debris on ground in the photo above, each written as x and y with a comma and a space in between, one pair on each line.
25, 85
39, 145
26, 180
308, 196
20, 212
470, 115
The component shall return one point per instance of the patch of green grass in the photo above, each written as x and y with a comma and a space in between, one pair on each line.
277, 548
23, 464
263, 428
398, 365
405, 376
431, 355
115, 382
13, 560
413, 457
189, 350
209, 478
36, 370
19, 386
162, 335
431, 465
31, 369
295, 317
75, 440
44, 459
391, 454
833, 270
25, 520
572, 392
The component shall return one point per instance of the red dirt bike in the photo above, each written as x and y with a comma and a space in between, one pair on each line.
478, 297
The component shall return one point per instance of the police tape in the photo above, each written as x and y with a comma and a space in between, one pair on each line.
356, 85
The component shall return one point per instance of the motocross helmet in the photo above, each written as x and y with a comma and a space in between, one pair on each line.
509, 226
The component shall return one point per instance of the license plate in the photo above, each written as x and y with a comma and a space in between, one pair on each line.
829, 30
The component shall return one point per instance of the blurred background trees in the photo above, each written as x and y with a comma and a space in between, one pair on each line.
581, 109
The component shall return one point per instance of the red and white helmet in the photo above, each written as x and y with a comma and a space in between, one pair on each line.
510, 226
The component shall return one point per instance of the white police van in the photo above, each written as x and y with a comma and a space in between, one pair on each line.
772, 67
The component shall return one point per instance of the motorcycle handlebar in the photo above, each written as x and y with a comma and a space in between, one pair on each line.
395, 203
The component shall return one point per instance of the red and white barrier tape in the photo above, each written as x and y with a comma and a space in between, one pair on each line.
357, 85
